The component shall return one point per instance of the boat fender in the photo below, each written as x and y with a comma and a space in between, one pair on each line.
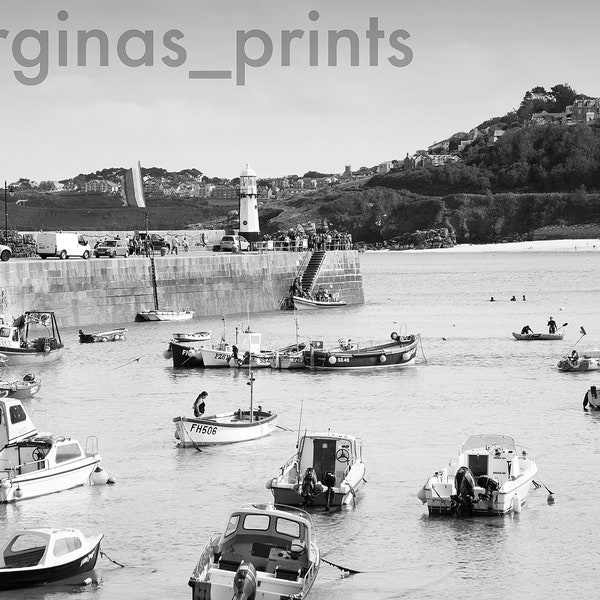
332, 360
168, 353
99, 476
5, 483
394, 336
406, 356
422, 495
31, 377
244, 582
382, 358
269, 484
18, 493
516, 504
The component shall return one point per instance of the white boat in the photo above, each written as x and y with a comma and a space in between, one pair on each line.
216, 355
592, 398
36, 556
226, 428
533, 337
492, 476
224, 354
265, 552
110, 335
327, 470
312, 304
165, 315
34, 464
576, 362
198, 336
33, 338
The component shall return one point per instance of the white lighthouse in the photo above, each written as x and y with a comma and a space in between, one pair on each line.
249, 226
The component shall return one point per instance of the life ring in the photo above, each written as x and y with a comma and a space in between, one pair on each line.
332, 360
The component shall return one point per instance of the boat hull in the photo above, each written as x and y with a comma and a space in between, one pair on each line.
114, 335
13, 578
216, 357
222, 429
308, 304
578, 366
382, 356
165, 315
532, 337
20, 389
29, 356
185, 356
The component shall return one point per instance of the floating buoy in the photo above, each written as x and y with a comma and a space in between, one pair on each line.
332, 360
99, 477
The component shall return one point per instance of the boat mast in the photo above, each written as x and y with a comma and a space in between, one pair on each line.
296, 319
251, 384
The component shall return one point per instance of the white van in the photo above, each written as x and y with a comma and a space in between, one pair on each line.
63, 245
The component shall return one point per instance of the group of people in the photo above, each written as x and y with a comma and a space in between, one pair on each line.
551, 327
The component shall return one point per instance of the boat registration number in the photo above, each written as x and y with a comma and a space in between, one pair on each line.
207, 429
222, 357
343, 359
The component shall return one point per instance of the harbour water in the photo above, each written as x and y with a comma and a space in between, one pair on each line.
470, 377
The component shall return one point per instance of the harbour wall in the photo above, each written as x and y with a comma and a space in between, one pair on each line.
103, 291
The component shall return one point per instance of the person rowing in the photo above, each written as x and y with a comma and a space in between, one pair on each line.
526, 330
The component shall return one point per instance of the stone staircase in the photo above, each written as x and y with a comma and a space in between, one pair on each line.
311, 272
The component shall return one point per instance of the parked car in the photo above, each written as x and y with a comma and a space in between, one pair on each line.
5, 253
155, 241
235, 243
111, 248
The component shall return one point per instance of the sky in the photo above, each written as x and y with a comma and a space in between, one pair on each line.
424, 71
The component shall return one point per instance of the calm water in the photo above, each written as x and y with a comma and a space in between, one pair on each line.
470, 378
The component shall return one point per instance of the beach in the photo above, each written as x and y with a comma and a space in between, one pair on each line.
581, 245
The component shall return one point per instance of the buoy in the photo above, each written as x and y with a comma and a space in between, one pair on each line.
99, 476
550, 499
332, 360
516, 504
168, 353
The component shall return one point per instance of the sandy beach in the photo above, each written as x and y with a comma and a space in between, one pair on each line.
584, 245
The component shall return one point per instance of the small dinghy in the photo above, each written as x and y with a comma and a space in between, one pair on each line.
199, 336
492, 476
533, 337
165, 315
311, 304
21, 389
36, 556
576, 362
266, 551
327, 470
112, 335
592, 399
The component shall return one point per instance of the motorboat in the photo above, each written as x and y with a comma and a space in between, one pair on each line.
400, 352
266, 552
36, 556
290, 357
111, 335
165, 315
184, 355
326, 470
226, 428
33, 338
34, 464
198, 336
575, 362
21, 388
592, 398
491, 476
303, 303
533, 337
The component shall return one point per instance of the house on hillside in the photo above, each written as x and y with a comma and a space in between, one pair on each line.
102, 186
547, 118
385, 167
439, 147
584, 110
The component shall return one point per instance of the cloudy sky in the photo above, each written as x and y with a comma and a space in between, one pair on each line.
463, 62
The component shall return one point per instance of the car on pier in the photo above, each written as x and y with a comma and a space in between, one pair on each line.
112, 249
5, 253
235, 243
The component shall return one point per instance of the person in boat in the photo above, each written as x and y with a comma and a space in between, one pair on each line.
551, 326
199, 405
492, 299
524, 299
526, 330
574, 357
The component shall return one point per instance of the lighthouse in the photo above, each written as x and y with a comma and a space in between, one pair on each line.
249, 226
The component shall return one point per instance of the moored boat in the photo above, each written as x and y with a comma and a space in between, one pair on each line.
21, 388
111, 335
165, 315
576, 362
198, 336
592, 398
401, 351
33, 338
301, 303
184, 355
36, 556
327, 470
34, 464
266, 552
290, 357
491, 476
532, 337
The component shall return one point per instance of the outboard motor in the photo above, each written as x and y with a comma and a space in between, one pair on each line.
329, 482
309, 486
489, 484
244, 582
462, 503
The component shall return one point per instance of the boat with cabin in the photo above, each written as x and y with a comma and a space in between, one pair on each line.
400, 352
111, 335
577, 362
34, 464
491, 476
33, 338
265, 552
37, 556
326, 470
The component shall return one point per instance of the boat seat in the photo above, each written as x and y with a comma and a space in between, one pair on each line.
289, 574
230, 563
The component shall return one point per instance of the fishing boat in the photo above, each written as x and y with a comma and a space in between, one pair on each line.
400, 352
266, 551
532, 337
33, 338
491, 476
577, 362
290, 357
224, 354
21, 388
327, 470
226, 428
36, 556
198, 336
302, 303
592, 398
112, 335
165, 315
34, 464
184, 355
